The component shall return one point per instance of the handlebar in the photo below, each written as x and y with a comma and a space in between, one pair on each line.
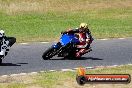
66, 32
63, 32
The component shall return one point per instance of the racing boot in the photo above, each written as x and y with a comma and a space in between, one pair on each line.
82, 52
88, 50
78, 55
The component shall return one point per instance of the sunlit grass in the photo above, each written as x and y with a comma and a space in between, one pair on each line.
43, 20
62, 79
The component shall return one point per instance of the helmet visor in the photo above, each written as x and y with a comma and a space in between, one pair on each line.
82, 29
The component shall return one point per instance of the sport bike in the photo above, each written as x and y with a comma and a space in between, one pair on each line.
5, 44
66, 47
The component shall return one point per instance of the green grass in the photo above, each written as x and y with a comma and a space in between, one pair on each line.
63, 79
44, 20
12, 85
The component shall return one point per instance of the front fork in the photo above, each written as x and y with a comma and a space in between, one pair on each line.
59, 49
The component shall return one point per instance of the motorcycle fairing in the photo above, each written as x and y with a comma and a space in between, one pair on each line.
67, 38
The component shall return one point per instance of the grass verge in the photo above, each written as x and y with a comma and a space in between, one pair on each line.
63, 79
43, 20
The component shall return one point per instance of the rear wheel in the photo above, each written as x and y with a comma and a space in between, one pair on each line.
70, 55
49, 53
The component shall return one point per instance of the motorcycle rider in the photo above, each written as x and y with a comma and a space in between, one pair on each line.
5, 39
85, 38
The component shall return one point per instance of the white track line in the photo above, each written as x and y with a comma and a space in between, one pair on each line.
32, 73
121, 38
102, 39
129, 64
89, 67
24, 43
52, 70
49, 42
115, 65
4, 76
66, 70
75, 68
42, 71
22, 73
14, 74
44, 42
63, 70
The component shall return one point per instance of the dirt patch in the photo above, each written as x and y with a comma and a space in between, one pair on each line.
59, 5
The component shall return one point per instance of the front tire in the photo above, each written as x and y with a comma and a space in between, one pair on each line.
49, 53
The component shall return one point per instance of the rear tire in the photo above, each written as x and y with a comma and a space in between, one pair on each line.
48, 54
72, 55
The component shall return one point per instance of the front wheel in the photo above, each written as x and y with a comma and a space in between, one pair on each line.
49, 53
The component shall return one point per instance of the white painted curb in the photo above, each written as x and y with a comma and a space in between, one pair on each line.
102, 39
44, 42
121, 38
24, 43
95, 39
62, 70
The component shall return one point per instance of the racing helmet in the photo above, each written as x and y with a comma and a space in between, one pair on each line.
2, 33
84, 25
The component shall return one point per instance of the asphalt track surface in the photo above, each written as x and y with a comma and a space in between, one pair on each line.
25, 58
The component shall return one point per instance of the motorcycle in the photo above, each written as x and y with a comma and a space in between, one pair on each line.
5, 44
66, 47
